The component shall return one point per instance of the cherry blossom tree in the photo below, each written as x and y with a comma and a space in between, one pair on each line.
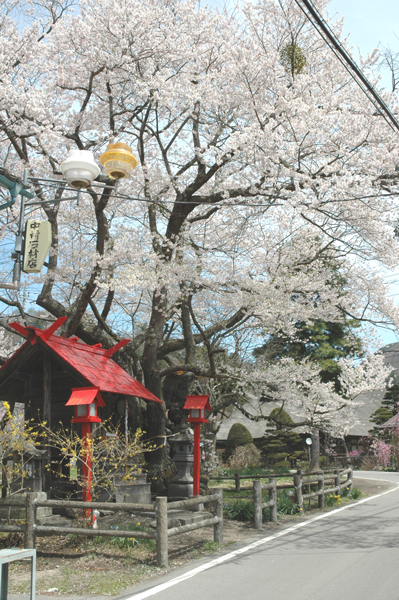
253, 178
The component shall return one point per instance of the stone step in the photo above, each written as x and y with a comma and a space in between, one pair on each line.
55, 521
178, 517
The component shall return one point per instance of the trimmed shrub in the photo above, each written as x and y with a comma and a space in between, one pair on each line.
245, 457
281, 446
239, 435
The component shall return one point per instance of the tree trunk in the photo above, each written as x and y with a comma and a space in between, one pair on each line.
155, 412
315, 451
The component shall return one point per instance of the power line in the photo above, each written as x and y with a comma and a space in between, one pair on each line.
329, 37
161, 202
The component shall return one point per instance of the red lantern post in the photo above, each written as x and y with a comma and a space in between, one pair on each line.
86, 401
197, 405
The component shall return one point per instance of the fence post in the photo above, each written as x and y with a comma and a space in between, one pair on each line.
257, 504
273, 497
297, 478
161, 514
337, 482
218, 527
320, 487
30, 522
350, 478
238, 483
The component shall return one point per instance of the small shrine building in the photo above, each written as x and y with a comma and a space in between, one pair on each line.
42, 373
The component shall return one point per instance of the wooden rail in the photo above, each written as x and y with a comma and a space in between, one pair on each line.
298, 482
237, 478
259, 505
161, 506
161, 534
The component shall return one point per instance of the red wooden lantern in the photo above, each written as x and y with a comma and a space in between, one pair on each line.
86, 402
197, 405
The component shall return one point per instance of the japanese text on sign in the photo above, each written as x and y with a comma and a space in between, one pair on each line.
37, 245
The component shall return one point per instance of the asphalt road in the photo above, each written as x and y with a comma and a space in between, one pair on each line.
352, 552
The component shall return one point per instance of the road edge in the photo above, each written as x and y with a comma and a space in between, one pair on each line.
152, 591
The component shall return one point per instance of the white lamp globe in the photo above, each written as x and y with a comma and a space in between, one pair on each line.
79, 168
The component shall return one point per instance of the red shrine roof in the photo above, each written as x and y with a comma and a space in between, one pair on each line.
85, 396
197, 402
94, 363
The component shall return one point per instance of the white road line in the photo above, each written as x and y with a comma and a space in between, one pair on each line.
218, 561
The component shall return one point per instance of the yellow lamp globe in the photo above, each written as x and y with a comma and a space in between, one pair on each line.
118, 160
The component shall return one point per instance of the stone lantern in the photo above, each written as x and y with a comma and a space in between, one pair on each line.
181, 486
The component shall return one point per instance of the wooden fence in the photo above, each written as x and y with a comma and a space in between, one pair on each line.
31, 529
161, 534
299, 481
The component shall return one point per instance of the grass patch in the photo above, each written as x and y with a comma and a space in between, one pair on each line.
250, 472
243, 510
211, 546
285, 505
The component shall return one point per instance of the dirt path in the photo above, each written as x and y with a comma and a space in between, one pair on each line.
371, 486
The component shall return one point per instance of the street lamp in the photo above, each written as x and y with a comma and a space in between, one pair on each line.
309, 444
80, 171
118, 161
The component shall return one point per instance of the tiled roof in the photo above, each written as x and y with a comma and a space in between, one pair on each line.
197, 402
92, 362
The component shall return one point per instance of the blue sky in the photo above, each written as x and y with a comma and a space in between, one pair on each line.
370, 23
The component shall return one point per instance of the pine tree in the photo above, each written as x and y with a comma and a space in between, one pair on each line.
281, 446
321, 341
388, 409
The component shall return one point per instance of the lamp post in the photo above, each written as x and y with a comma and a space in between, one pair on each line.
309, 444
86, 402
197, 405
16, 187
80, 172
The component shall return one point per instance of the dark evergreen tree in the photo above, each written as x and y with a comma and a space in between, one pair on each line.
281, 446
321, 341
388, 409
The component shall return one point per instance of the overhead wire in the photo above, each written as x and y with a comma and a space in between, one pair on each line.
55, 184
318, 22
